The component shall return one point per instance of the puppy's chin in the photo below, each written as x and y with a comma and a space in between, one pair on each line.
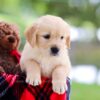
10, 46
14, 46
54, 55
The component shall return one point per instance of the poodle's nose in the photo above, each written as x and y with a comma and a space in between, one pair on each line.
11, 39
54, 50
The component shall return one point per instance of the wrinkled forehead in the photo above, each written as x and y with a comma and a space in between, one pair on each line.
53, 27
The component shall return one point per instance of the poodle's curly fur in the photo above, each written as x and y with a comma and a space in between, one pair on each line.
9, 40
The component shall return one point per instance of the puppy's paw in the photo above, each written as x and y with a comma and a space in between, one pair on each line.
59, 87
32, 80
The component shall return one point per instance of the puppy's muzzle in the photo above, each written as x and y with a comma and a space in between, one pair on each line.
54, 50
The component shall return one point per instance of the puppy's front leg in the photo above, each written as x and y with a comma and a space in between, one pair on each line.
33, 75
59, 80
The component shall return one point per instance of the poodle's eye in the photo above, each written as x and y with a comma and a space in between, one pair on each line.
62, 37
47, 36
7, 33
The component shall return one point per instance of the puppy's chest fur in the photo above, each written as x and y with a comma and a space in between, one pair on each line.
7, 62
47, 63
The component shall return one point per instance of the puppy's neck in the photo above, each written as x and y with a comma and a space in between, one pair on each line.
4, 50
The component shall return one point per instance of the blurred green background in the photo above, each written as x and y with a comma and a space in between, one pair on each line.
80, 14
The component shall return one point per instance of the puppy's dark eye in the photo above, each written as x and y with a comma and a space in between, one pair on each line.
8, 33
62, 37
46, 36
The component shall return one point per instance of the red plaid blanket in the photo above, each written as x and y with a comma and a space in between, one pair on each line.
13, 87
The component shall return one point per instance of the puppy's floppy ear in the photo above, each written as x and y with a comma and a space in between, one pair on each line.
68, 35
68, 41
30, 34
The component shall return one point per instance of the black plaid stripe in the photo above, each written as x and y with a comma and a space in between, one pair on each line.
6, 92
69, 88
41, 93
46, 91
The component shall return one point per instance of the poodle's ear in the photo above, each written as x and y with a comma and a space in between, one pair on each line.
30, 34
18, 41
68, 41
15, 28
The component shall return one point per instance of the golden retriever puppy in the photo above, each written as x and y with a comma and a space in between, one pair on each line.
45, 53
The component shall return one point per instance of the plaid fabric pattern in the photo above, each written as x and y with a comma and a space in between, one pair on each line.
13, 87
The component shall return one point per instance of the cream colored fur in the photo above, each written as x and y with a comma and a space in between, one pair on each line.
36, 59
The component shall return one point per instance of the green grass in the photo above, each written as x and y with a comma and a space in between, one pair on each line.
85, 92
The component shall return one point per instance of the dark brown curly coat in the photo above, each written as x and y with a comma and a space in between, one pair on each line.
9, 40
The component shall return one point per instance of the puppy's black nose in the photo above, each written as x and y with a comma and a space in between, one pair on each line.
54, 50
11, 39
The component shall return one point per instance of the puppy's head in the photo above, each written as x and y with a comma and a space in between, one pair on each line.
9, 36
50, 34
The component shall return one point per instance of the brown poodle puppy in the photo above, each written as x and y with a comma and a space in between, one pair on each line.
9, 41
